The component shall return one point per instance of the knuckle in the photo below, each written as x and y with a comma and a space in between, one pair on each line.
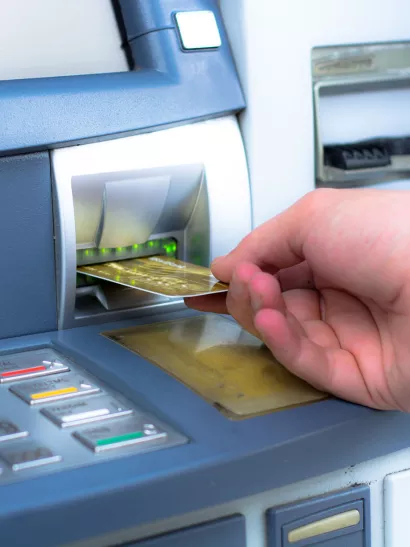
322, 196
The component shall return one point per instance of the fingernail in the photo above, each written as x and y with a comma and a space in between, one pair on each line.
256, 302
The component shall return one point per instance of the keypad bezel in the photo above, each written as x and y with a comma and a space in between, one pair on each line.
64, 442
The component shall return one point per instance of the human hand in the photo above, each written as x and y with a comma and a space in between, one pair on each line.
326, 286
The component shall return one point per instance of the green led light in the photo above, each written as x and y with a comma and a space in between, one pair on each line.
87, 252
135, 246
117, 278
150, 243
104, 251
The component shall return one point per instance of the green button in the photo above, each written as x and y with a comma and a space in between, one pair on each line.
120, 438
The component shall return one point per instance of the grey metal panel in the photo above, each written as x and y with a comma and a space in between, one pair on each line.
16, 406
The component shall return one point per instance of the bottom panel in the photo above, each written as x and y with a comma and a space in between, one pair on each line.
228, 532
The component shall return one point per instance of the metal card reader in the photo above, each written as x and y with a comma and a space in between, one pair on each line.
123, 199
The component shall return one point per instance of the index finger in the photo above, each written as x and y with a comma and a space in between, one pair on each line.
276, 244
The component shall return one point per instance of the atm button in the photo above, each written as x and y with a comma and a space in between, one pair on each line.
12, 372
54, 389
83, 411
27, 455
9, 431
132, 431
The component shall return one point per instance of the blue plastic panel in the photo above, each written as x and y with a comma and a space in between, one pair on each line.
229, 532
281, 520
27, 283
224, 461
140, 16
169, 87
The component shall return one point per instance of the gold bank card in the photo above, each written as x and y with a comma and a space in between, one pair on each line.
216, 358
158, 275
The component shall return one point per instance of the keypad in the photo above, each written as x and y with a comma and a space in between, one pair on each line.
58, 415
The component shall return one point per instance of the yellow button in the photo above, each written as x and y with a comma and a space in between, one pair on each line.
324, 526
46, 394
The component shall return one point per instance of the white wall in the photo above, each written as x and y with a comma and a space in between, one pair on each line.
272, 41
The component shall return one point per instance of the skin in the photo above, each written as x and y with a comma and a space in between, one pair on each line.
326, 286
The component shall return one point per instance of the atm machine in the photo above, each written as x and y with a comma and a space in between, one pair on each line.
176, 127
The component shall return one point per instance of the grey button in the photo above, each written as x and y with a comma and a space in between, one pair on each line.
66, 386
131, 431
29, 454
9, 431
11, 371
82, 411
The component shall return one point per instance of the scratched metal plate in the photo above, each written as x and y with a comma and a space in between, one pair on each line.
221, 362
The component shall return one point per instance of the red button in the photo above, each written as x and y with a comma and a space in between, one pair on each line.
22, 371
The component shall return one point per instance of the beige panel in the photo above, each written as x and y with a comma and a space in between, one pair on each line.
224, 364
